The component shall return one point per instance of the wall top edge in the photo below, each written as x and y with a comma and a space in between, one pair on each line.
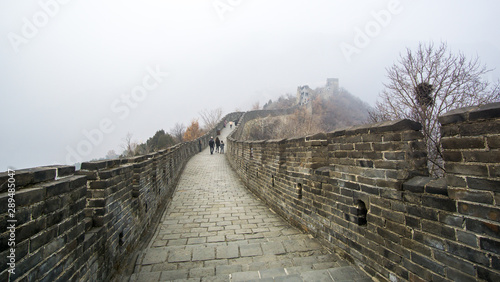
488, 111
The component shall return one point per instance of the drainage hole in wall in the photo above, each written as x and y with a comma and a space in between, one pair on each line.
299, 190
361, 212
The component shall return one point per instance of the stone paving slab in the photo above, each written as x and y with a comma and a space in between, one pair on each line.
216, 230
245, 276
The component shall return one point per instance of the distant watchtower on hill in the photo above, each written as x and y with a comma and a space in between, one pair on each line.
305, 94
332, 85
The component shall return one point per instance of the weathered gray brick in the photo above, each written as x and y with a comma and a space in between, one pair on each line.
482, 227
428, 263
463, 143
438, 229
429, 240
467, 169
454, 262
439, 203
490, 245
29, 196
468, 253
485, 212
423, 212
42, 238
468, 195
488, 274
483, 184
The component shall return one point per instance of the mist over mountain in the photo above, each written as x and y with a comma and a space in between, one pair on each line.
322, 109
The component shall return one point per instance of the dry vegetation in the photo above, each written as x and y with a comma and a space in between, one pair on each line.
323, 114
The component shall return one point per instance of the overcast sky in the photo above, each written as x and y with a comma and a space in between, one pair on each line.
76, 76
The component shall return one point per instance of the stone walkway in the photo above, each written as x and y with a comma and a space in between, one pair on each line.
216, 230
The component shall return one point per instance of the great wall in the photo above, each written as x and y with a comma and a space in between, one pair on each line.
363, 191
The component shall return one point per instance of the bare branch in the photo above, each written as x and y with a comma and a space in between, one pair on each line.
178, 132
455, 81
210, 118
129, 146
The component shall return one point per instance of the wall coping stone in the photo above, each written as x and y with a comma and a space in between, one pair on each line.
30, 176
487, 111
256, 141
380, 127
437, 187
425, 184
297, 139
416, 184
317, 136
324, 170
63, 170
277, 141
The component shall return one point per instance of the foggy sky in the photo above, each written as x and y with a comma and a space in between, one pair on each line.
77, 76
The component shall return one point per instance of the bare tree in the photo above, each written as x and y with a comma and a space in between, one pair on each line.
111, 155
210, 118
256, 106
128, 145
178, 132
427, 83
378, 114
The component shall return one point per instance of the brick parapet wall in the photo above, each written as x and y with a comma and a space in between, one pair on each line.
471, 149
250, 115
370, 197
82, 225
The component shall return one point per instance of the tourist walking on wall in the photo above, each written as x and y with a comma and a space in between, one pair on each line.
221, 147
217, 144
211, 143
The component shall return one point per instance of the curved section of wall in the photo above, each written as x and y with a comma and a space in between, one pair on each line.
366, 191
250, 115
82, 225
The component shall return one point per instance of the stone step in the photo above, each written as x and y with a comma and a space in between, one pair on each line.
343, 273
326, 271
216, 261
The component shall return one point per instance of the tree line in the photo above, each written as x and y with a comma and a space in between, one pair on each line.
162, 139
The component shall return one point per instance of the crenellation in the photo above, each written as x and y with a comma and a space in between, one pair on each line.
415, 227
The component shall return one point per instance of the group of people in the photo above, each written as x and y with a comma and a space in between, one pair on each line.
217, 143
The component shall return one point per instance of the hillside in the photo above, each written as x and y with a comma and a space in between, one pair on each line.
322, 110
